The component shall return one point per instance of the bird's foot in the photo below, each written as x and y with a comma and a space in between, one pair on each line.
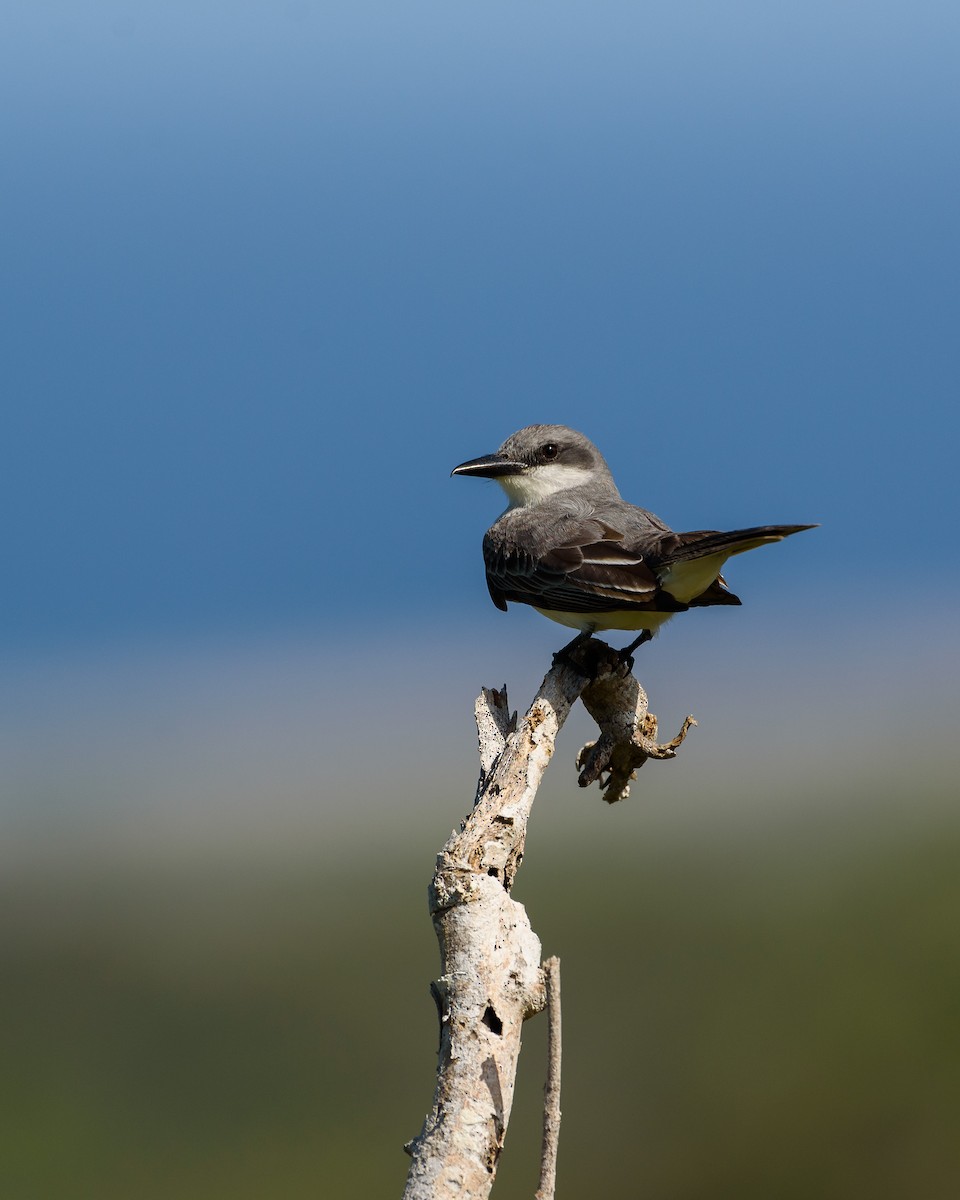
564, 653
626, 654
588, 656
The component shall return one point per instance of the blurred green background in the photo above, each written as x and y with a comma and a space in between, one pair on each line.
759, 947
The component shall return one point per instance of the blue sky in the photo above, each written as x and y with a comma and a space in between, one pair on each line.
270, 270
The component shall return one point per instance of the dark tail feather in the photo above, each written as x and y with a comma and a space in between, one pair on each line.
716, 593
736, 541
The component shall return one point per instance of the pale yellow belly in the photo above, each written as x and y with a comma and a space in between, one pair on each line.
596, 622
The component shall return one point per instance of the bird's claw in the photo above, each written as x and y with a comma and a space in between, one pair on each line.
626, 654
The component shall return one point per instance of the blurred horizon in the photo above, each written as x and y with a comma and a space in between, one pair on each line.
260, 743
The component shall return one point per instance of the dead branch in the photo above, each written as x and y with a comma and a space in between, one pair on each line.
491, 978
551, 1091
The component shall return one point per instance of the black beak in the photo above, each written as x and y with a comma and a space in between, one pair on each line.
490, 466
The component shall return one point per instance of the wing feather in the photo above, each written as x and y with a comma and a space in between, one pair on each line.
592, 564
586, 569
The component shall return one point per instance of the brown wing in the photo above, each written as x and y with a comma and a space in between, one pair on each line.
586, 569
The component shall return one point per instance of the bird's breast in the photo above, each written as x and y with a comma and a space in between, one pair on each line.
594, 622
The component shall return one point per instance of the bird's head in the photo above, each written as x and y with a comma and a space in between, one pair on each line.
539, 461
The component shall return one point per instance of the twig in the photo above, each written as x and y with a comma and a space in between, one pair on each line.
551, 1091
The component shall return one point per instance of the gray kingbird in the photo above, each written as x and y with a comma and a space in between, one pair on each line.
571, 547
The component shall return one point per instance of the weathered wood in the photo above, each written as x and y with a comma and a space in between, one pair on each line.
628, 735
491, 975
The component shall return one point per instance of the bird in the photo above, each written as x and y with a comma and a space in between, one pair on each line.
571, 547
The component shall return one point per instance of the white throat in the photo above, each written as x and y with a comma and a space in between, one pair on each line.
539, 483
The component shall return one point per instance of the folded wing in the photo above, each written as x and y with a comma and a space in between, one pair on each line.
584, 568
590, 564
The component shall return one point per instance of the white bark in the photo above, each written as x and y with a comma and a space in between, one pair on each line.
491, 975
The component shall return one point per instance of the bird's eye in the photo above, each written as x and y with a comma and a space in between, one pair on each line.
550, 451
